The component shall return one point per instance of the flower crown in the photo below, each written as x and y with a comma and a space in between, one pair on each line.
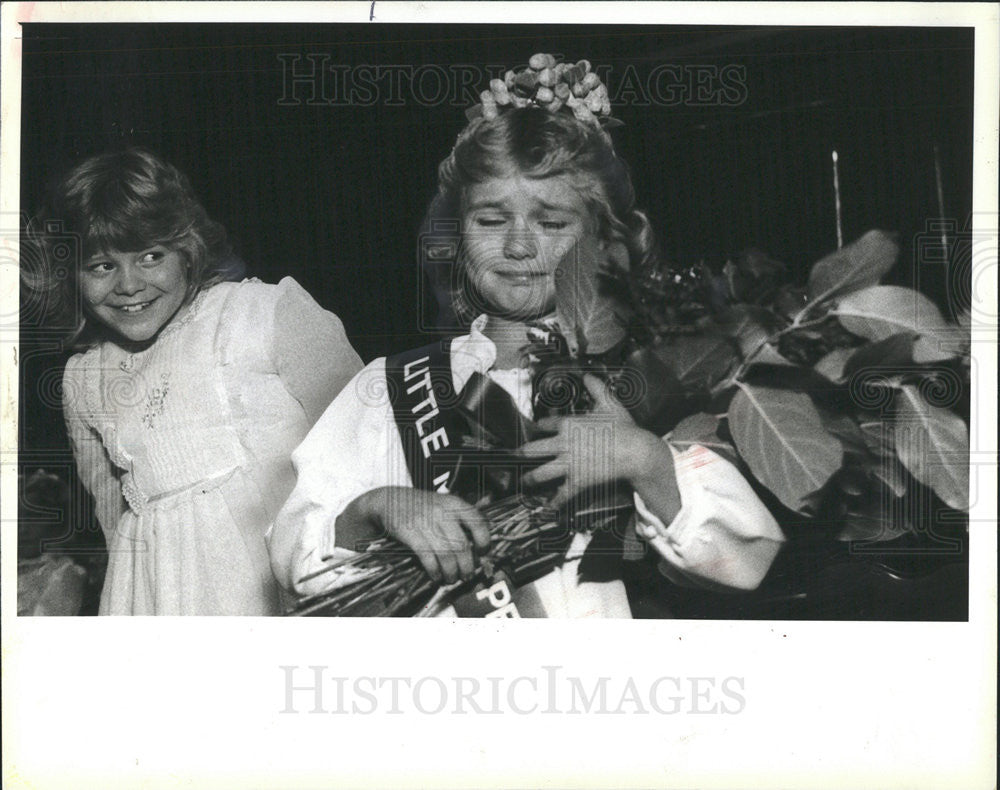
551, 85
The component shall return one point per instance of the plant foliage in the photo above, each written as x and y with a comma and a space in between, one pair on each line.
841, 396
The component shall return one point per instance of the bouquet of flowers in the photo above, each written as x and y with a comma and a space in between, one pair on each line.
841, 397
529, 537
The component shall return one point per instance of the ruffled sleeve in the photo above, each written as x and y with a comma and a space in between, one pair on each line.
353, 448
100, 477
311, 352
722, 537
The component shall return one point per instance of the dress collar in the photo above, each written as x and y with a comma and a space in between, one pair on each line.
472, 353
476, 353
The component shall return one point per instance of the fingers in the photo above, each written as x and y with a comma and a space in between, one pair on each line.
562, 496
459, 528
469, 521
604, 399
441, 530
445, 532
553, 470
428, 559
598, 390
478, 528
549, 424
448, 560
550, 446
465, 563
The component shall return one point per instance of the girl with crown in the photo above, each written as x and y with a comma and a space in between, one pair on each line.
539, 197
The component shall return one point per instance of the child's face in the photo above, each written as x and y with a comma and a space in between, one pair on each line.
134, 294
516, 233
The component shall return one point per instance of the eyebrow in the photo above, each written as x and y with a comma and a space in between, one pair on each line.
558, 207
495, 204
106, 256
486, 204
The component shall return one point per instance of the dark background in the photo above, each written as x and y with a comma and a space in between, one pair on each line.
333, 193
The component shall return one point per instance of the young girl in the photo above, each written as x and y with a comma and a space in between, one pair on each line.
536, 191
191, 393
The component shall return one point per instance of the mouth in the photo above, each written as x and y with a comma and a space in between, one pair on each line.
522, 276
134, 307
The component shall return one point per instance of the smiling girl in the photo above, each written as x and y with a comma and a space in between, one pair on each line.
188, 394
535, 194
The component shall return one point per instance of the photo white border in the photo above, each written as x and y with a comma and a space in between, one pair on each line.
98, 702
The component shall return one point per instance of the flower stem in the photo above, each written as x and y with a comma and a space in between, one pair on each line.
771, 340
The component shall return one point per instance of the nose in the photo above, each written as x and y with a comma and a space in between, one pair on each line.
130, 280
519, 243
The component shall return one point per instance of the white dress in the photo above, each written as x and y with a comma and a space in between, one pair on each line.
723, 536
185, 446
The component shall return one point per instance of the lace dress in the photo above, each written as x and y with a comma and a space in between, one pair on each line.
185, 445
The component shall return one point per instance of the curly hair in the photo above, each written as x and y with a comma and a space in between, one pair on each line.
534, 143
121, 201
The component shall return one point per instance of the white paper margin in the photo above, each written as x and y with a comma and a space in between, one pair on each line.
195, 702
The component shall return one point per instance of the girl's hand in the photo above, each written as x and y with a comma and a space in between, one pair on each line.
441, 529
595, 448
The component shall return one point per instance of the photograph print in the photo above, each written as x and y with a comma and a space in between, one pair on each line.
478, 321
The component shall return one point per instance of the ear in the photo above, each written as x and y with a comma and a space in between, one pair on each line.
616, 254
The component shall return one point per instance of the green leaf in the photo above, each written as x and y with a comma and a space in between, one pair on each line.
895, 352
879, 438
780, 435
699, 360
938, 348
662, 398
769, 355
845, 429
862, 263
953, 343
696, 429
747, 327
585, 313
933, 444
832, 365
879, 312
789, 300
752, 275
890, 471
959, 339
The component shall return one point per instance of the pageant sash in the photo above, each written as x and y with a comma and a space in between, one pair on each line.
458, 443
423, 397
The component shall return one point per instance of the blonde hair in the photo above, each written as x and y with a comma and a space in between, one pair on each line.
534, 143
120, 201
